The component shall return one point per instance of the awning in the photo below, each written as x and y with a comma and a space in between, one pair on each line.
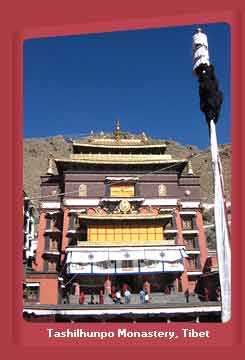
94, 255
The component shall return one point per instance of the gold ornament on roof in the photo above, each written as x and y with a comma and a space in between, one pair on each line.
189, 168
124, 206
117, 131
144, 137
50, 170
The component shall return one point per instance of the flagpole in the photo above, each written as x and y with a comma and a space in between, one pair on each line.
210, 104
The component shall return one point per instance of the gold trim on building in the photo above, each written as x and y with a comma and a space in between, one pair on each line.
122, 143
119, 159
125, 217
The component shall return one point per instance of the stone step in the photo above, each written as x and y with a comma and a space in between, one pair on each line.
155, 298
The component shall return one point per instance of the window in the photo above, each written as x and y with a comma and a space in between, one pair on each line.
52, 266
48, 223
170, 238
72, 221
193, 263
53, 221
53, 244
125, 233
191, 242
188, 223
83, 233
49, 266
32, 293
72, 241
170, 225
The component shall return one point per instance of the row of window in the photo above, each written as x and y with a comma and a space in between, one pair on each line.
122, 190
188, 222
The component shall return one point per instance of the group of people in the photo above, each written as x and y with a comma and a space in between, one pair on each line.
168, 289
117, 294
92, 298
205, 296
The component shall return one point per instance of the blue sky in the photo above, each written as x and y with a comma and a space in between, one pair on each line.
75, 84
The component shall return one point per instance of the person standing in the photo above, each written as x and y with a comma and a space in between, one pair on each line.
166, 291
127, 295
147, 298
113, 291
147, 287
107, 287
142, 296
124, 288
187, 295
206, 294
92, 299
118, 296
101, 297
81, 298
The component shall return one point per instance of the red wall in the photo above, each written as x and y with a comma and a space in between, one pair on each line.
202, 239
40, 243
64, 240
180, 240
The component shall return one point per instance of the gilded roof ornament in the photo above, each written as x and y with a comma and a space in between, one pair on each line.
50, 170
117, 131
189, 168
144, 137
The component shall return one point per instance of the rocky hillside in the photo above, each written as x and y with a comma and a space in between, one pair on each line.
36, 153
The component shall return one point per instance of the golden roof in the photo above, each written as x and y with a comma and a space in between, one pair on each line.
120, 159
123, 143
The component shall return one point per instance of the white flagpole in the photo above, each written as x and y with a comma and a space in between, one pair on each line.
221, 227
200, 58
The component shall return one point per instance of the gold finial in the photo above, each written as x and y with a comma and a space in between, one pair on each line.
189, 168
117, 131
144, 137
199, 30
50, 170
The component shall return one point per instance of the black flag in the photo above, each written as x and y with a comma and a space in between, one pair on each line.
211, 98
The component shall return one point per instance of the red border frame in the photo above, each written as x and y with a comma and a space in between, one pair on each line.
29, 19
